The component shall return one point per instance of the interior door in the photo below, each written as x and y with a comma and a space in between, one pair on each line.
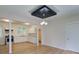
72, 32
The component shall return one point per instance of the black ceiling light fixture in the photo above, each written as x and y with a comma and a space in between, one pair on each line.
44, 12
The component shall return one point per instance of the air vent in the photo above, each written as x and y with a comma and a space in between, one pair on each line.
44, 12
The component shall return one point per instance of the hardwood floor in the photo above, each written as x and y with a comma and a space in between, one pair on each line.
3, 49
30, 48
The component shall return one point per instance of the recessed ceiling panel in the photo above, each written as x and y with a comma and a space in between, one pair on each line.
44, 12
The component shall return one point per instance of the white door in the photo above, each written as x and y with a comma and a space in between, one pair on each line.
72, 31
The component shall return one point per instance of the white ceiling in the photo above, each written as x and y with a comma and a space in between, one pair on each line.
23, 12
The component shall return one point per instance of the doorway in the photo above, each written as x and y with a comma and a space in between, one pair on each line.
25, 36
4, 31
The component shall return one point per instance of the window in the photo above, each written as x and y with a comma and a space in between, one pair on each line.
21, 31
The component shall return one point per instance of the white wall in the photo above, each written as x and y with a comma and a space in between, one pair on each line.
54, 33
72, 36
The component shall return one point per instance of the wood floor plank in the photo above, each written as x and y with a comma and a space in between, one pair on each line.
30, 48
